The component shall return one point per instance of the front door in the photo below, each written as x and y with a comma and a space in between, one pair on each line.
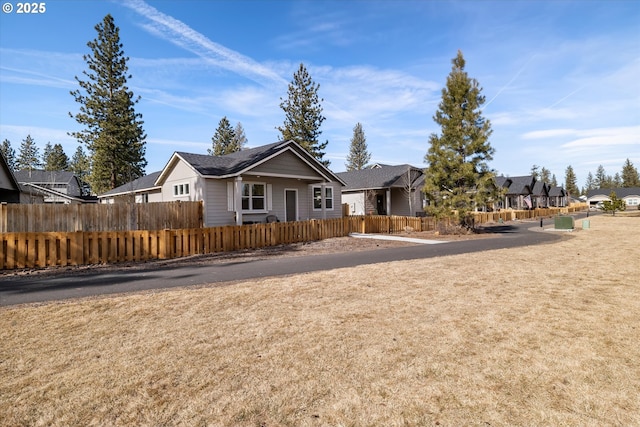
380, 204
291, 205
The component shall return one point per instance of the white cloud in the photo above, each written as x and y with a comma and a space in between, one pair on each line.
180, 34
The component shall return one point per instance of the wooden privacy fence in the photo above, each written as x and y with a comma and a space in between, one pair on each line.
100, 217
44, 249
29, 250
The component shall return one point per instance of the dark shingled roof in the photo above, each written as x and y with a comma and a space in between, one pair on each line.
38, 176
142, 183
620, 192
520, 184
229, 164
557, 192
375, 178
539, 188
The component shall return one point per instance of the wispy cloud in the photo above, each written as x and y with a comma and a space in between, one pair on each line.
37, 68
182, 35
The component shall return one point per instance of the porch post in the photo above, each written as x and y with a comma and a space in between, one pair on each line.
389, 201
238, 200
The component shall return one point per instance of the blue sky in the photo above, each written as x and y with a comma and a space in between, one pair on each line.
561, 78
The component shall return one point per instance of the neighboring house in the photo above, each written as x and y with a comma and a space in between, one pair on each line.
53, 186
281, 181
630, 195
557, 197
525, 192
9, 187
384, 190
141, 190
540, 195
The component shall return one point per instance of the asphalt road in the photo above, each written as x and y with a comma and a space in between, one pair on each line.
83, 283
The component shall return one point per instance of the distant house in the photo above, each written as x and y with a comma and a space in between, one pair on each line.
384, 190
558, 197
540, 195
525, 192
53, 186
630, 195
279, 181
141, 190
9, 187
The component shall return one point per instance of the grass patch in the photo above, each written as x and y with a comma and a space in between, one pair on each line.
541, 335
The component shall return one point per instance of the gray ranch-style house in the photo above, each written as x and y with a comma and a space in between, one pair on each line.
630, 195
384, 190
279, 181
526, 192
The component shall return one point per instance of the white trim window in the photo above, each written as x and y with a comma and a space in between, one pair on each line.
254, 197
317, 198
180, 190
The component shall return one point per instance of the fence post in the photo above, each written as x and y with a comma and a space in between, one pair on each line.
164, 251
3, 217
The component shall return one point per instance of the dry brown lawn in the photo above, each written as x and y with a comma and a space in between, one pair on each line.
546, 335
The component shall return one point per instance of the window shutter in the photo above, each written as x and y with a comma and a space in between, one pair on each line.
230, 196
269, 197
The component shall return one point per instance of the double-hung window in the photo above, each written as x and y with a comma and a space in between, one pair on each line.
254, 196
328, 198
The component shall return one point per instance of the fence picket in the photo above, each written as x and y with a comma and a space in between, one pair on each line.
41, 249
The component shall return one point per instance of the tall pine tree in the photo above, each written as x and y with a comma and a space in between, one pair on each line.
630, 177
240, 140
571, 182
9, 154
80, 165
590, 183
545, 175
359, 155
224, 140
303, 115
29, 155
112, 131
54, 158
458, 177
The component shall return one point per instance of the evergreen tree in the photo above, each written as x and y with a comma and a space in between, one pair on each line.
534, 172
113, 131
571, 182
28, 156
554, 181
613, 205
617, 181
590, 184
458, 176
9, 154
303, 115
240, 140
630, 177
54, 158
48, 148
80, 165
224, 140
602, 180
545, 176
359, 155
